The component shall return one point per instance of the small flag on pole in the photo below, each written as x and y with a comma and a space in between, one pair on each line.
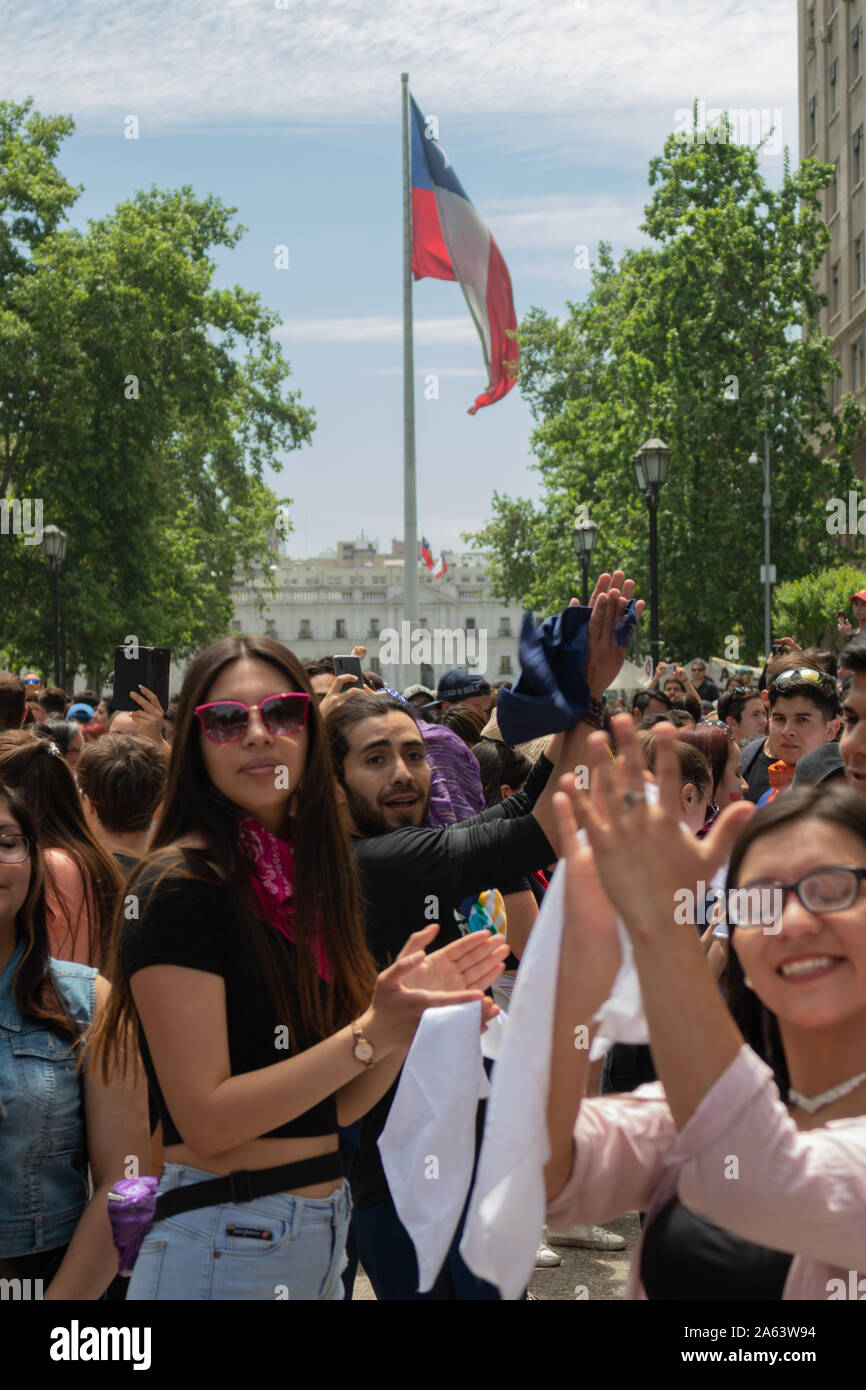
440, 568
451, 242
426, 553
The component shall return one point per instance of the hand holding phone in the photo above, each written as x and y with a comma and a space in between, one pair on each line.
349, 665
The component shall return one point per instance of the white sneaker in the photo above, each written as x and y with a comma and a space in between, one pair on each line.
590, 1237
545, 1258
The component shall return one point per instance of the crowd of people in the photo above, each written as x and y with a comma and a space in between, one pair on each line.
220, 925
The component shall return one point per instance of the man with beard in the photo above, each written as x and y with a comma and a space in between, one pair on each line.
412, 875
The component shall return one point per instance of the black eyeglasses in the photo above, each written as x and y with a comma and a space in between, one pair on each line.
834, 889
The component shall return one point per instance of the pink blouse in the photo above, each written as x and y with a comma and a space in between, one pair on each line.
802, 1192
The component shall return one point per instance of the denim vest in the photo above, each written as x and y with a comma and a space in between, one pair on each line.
43, 1149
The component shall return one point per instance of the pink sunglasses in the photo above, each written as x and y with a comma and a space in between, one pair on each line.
226, 721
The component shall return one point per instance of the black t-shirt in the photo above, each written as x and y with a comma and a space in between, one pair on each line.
416, 876
757, 776
686, 1256
708, 690
192, 923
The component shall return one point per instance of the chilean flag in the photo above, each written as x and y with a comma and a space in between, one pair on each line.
426, 553
450, 242
440, 569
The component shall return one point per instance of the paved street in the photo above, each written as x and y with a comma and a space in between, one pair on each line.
602, 1273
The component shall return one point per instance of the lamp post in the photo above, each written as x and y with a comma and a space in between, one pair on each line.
54, 545
651, 469
768, 571
584, 538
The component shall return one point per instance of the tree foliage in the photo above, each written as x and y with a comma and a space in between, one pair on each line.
139, 401
698, 338
806, 608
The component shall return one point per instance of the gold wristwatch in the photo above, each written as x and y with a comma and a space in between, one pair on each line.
363, 1049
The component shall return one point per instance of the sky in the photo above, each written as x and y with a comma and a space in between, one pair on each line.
289, 110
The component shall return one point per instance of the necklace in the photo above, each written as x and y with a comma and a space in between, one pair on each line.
812, 1103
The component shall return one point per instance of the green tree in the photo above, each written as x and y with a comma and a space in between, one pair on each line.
697, 338
139, 402
806, 608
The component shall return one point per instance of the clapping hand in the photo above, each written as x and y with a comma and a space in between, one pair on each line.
643, 854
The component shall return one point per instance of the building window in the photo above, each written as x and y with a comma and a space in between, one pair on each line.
813, 120
504, 627
834, 90
236, 625
857, 364
270, 628
470, 624
857, 50
373, 665
505, 666
858, 263
305, 629
833, 191
857, 155
812, 24
374, 628
340, 627
834, 289
836, 391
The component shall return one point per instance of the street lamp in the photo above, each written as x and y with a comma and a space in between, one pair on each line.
54, 545
651, 469
768, 571
584, 538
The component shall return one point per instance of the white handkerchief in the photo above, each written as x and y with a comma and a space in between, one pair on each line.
508, 1203
428, 1143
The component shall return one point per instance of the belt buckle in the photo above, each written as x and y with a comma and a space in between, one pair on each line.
241, 1186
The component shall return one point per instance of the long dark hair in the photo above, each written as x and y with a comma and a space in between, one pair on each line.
45, 781
327, 890
839, 806
33, 989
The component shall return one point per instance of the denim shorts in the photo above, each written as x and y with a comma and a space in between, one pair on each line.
278, 1247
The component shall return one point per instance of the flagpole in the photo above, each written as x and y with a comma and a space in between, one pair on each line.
410, 504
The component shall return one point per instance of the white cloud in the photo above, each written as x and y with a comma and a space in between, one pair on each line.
376, 329
616, 68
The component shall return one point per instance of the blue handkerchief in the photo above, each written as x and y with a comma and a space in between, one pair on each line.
551, 694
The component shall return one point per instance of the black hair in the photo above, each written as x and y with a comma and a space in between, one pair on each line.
642, 698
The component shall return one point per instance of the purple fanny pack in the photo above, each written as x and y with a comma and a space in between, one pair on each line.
131, 1211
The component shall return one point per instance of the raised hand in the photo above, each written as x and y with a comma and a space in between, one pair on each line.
605, 656
149, 716
643, 855
396, 1009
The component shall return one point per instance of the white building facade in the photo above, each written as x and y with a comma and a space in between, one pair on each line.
353, 595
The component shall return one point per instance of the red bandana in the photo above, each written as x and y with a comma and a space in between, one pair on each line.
273, 883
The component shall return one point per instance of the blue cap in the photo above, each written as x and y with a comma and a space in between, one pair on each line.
81, 712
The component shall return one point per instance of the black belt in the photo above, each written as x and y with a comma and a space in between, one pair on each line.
248, 1184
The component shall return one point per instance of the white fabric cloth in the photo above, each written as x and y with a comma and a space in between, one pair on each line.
428, 1143
508, 1206
508, 1203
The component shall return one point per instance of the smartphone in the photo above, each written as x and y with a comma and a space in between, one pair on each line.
776, 649
149, 666
840, 612
349, 665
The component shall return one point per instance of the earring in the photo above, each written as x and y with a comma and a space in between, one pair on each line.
747, 982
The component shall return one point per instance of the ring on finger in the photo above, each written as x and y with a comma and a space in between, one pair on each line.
632, 798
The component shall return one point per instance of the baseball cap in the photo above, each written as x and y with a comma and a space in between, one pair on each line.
412, 690
460, 684
83, 713
861, 594
815, 767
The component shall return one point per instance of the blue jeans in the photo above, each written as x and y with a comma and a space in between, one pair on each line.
388, 1257
278, 1247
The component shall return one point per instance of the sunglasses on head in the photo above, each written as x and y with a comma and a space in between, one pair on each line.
225, 721
804, 673
32, 680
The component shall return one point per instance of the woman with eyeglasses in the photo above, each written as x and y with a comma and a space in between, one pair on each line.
749, 1157
262, 1022
59, 1126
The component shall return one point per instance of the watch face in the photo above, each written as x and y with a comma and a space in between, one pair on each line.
363, 1051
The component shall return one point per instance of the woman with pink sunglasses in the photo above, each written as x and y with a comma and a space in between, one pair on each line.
262, 1023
